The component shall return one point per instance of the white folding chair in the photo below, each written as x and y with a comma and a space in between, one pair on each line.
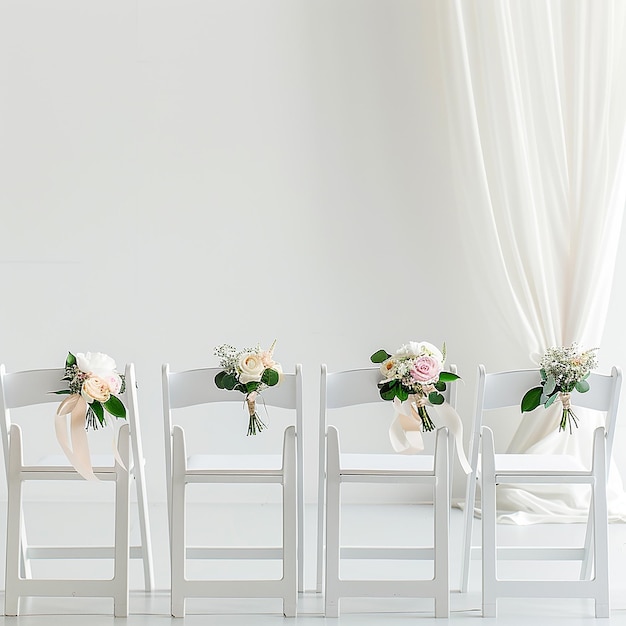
498, 391
197, 387
19, 390
351, 388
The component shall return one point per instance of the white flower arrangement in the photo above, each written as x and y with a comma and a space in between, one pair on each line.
414, 371
564, 369
250, 371
93, 377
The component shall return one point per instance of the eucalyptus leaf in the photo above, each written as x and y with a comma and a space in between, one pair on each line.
229, 382
252, 385
550, 385
582, 386
543, 374
440, 385
379, 356
435, 397
531, 399
115, 407
551, 400
270, 377
219, 379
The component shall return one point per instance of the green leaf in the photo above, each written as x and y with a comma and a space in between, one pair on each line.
96, 407
550, 385
582, 386
531, 399
251, 386
70, 360
402, 393
270, 377
380, 356
239, 387
448, 377
229, 382
219, 379
440, 385
435, 398
543, 374
387, 394
551, 399
115, 407
62, 392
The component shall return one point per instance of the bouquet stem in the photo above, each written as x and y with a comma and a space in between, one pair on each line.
427, 423
567, 419
256, 424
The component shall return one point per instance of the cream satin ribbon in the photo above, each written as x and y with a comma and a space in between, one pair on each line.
405, 431
76, 445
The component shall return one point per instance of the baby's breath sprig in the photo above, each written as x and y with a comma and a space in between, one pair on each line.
563, 370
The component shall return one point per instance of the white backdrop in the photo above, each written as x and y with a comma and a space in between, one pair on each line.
175, 174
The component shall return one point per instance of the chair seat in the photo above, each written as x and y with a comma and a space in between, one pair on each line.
234, 463
538, 464
385, 463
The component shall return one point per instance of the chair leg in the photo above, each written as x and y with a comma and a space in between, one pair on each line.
600, 525
333, 521
15, 524
144, 522
122, 528
488, 504
300, 509
290, 530
587, 562
442, 525
178, 540
468, 522
320, 532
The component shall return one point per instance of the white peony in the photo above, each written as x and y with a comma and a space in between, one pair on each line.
409, 349
102, 366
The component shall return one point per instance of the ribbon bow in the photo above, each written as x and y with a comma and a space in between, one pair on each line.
405, 431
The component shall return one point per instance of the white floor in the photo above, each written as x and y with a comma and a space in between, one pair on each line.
390, 524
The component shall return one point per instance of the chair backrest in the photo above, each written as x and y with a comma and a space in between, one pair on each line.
501, 390
34, 387
353, 388
359, 386
196, 387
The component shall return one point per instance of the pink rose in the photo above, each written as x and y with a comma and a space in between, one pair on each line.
426, 369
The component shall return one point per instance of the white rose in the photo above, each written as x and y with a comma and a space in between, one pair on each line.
388, 368
97, 363
250, 367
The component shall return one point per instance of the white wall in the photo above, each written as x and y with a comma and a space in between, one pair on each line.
175, 174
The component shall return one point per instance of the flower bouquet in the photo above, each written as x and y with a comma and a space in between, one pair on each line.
94, 380
249, 371
415, 372
563, 370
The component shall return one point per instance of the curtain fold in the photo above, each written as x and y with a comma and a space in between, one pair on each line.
536, 99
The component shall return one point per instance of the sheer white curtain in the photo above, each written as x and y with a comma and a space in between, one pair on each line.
536, 96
